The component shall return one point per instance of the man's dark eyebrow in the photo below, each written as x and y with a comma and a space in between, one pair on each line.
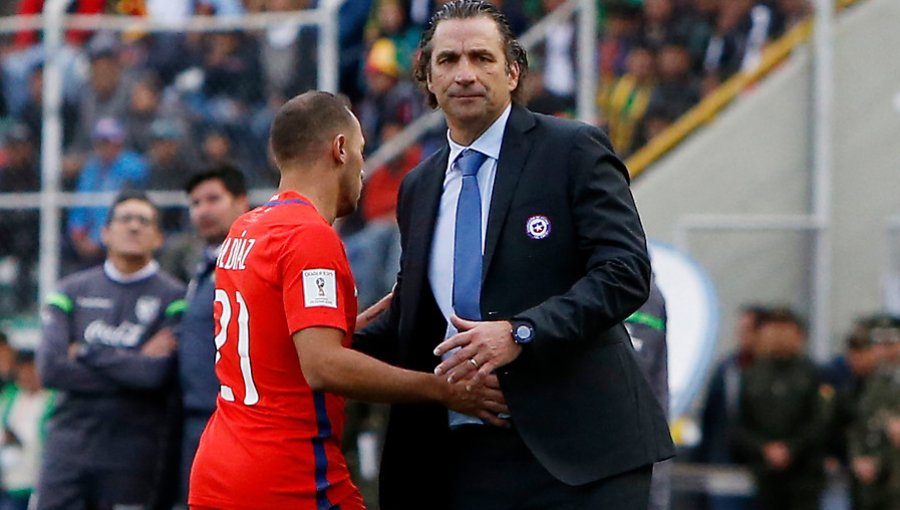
455, 53
481, 51
446, 53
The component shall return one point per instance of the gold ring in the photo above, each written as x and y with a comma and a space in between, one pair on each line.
473, 362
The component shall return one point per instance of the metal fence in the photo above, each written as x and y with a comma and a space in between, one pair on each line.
169, 94
192, 90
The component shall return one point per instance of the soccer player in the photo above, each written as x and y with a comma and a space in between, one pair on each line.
285, 307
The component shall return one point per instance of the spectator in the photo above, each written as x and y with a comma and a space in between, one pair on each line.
540, 100
741, 29
232, 77
168, 158
388, 96
515, 13
288, 53
19, 227
783, 417
111, 168
661, 22
391, 24
352, 20
32, 113
108, 95
143, 111
559, 58
621, 33
107, 346
659, 117
76, 37
216, 147
701, 23
721, 409
676, 90
25, 407
625, 102
724, 50
169, 161
217, 197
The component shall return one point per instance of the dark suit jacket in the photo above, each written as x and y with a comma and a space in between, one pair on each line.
576, 394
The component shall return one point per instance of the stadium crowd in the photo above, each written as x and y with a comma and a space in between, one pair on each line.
145, 110
148, 111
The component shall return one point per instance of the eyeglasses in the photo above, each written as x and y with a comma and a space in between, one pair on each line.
126, 218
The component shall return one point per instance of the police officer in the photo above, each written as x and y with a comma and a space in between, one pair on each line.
782, 423
869, 438
848, 375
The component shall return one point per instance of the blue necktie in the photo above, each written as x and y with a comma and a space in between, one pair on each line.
467, 255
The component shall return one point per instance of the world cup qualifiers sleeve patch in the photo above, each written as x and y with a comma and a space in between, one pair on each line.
319, 288
537, 227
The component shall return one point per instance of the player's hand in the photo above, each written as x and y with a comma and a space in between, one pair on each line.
481, 398
483, 347
161, 345
371, 313
865, 468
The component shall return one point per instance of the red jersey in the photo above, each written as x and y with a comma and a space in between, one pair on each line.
273, 442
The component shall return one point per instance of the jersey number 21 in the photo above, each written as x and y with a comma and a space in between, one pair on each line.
251, 396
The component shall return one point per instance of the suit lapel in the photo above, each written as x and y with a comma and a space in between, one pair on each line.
513, 155
424, 216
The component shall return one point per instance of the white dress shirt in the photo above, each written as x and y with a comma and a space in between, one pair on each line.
440, 268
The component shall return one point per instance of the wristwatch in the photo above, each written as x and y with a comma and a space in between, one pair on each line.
522, 332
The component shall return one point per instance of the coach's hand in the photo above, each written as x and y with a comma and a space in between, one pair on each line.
479, 397
483, 347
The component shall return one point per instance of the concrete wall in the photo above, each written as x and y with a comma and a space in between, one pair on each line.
755, 158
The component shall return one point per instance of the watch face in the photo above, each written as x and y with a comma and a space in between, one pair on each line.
523, 333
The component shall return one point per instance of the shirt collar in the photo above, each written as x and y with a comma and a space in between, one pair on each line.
117, 276
489, 143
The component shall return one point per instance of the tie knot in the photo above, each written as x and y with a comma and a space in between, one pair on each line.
470, 161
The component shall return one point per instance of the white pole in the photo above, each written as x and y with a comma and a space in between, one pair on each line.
329, 56
51, 148
823, 162
587, 61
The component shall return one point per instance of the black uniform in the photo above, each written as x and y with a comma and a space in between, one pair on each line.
781, 401
105, 440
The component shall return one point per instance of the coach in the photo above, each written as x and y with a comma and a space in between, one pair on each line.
522, 255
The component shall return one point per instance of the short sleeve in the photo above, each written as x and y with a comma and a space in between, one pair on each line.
311, 268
